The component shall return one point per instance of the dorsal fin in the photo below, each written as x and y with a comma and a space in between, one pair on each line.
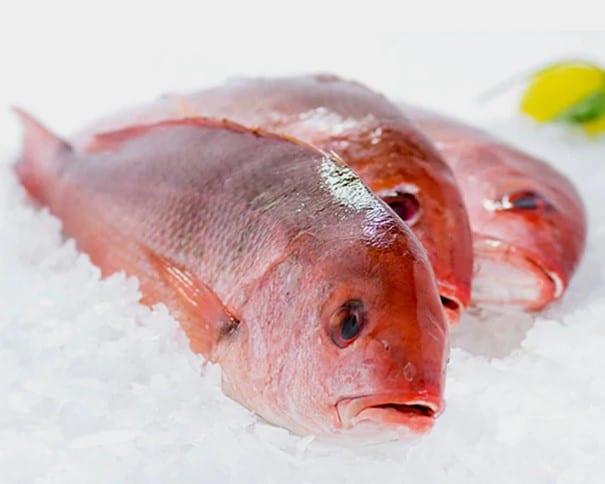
112, 140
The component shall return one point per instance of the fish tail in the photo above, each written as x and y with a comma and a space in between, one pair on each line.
42, 157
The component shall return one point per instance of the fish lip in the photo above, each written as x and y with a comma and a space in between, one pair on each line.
416, 411
555, 286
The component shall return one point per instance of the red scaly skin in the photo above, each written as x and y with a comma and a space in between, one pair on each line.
263, 249
528, 221
368, 132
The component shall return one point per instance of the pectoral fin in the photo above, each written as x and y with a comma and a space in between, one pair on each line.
200, 311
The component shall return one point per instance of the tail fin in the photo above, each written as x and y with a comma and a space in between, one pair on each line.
42, 158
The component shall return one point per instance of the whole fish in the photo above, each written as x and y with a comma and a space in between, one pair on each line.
368, 132
528, 221
318, 303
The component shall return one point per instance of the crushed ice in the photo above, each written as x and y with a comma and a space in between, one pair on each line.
97, 388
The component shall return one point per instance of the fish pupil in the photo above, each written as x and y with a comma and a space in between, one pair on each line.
350, 327
405, 205
526, 203
347, 323
400, 209
526, 200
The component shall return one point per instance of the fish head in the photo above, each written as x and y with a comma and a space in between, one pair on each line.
346, 337
529, 227
412, 179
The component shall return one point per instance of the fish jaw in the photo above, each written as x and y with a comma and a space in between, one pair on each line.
399, 414
508, 275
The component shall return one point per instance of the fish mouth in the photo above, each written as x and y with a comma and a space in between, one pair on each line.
451, 307
454, 296
508, 275
389, 412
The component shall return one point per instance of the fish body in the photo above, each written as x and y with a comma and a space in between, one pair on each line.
368, 132
318, 303
528, 220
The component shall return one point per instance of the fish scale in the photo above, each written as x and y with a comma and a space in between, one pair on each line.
176, 204
365, 130
528, 220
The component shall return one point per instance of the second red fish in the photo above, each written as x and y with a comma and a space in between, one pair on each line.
371, 135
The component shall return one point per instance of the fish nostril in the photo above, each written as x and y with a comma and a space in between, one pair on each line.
409, 371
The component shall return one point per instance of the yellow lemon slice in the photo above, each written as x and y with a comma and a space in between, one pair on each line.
556, 89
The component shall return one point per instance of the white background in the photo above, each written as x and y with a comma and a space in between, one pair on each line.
68, 62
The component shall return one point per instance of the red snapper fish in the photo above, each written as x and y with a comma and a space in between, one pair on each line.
367, 131
528, 221
318, 303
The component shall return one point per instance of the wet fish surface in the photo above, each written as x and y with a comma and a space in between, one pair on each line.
318, 303
367, 131
528, 220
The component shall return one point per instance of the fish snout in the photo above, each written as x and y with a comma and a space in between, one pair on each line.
406, 399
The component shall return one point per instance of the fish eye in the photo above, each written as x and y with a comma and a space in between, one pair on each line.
406, 205
347, 323
524, 200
